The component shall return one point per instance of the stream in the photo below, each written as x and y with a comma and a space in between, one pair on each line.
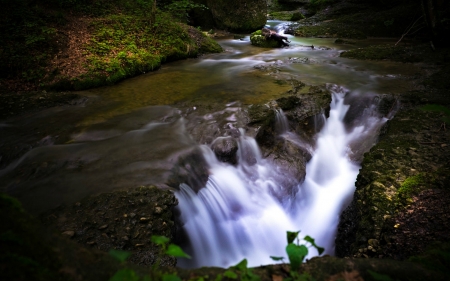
135, 132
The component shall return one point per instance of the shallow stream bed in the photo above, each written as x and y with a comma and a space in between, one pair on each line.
135, 132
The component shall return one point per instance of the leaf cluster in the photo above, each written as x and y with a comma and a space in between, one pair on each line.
297, 253
166, 247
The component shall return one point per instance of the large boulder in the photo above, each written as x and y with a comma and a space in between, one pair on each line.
238, 15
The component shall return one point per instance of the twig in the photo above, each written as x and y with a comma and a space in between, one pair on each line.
409, 29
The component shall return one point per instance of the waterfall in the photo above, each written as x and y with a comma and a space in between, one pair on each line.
236, 216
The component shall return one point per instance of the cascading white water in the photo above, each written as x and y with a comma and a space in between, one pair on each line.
236, 216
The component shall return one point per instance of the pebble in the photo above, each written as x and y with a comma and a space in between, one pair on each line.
158, 210
144, 219
103, 226
69, 233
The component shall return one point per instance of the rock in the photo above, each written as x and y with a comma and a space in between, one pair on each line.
69, 233
191, 169
238, 15
266, 38
103, 226
288, 103
225, 149
373, 242
158, 210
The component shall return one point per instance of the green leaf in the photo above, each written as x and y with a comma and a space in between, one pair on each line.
230, 274
241, 266
311, 240
296, 254
276, 258
291, 236
125, 275
160, 240
170, 277
119, 255
250, 276
176, 251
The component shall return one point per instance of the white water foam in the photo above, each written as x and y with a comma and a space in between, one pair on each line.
236, 216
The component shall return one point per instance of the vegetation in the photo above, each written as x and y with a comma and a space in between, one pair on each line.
78, 44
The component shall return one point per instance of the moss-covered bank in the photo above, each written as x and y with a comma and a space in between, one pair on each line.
402, 198
74, 45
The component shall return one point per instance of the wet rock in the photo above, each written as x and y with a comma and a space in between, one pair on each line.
191, 169
225, 149
288, 103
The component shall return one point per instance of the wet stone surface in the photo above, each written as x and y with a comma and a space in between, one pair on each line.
123, 220
401, 192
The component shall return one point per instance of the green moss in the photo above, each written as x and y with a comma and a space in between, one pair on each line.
257, 39
123, 46
412, 185
209, 45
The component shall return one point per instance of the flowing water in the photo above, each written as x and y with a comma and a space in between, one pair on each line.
133, 134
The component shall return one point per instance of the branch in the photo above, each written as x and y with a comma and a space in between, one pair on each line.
408, 30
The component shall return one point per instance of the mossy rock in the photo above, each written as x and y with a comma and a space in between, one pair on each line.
239, 15
258, 40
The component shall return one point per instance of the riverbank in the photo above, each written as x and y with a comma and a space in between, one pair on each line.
49, 49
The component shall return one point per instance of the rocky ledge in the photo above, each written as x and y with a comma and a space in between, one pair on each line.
401, 203
121, 220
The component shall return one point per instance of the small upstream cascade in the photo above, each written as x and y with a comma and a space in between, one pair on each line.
237, 216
